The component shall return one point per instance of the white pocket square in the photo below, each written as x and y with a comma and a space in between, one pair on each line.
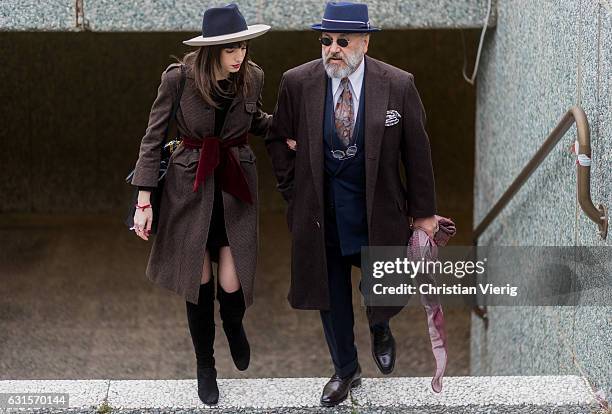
392, 117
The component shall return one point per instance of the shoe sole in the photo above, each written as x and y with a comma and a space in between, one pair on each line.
214, 402
354, 384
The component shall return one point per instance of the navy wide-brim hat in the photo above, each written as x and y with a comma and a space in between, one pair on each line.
345, 17
225, 25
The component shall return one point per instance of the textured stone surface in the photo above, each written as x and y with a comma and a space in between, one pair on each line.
264, 393
83, 396
559, 394
593, 325
542, 58
56, 15
186, 15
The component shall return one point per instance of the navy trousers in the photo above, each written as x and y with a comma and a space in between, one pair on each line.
338, 321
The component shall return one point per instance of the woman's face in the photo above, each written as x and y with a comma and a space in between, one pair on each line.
232, 58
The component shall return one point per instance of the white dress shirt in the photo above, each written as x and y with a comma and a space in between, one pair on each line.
355, 81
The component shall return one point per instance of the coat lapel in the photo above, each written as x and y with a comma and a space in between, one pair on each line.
314, 99
376, 100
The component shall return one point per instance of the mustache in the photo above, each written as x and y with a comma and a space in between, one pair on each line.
334, 56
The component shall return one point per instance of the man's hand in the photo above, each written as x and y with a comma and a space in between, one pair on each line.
291, 143
428, 224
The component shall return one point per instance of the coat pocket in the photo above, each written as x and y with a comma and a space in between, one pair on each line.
246, 154
184, 157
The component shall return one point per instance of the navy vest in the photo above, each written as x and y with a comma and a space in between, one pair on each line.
346, 223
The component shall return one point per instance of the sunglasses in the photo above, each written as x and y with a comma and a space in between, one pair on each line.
327, 41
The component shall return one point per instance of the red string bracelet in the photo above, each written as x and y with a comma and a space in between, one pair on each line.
142, 207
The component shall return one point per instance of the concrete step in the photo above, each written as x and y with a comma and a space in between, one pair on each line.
499, 394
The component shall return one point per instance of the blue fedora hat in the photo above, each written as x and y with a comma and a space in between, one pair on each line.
345, 17
225, 25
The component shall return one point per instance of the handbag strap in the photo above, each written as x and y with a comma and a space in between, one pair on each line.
175, 104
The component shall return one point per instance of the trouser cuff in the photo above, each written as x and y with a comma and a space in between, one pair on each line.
347, 369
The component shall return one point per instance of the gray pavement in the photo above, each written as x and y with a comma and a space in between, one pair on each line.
75, 304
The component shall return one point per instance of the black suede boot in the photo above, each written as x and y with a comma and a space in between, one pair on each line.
201, 319
231, 310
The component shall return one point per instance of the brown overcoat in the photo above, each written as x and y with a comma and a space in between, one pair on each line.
299, 114
177, 253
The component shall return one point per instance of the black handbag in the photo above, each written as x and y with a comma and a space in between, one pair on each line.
166, 151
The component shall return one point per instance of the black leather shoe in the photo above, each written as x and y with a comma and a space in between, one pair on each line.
336, 390
383, 348
208, 391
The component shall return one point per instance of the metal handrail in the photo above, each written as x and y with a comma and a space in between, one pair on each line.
598, 214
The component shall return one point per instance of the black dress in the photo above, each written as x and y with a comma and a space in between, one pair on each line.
217, 236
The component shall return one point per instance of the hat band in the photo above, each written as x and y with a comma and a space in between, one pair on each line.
332, 24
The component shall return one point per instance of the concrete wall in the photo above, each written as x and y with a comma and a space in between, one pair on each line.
543, 57
186, 15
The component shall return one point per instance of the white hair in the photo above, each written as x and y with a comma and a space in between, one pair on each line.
352, 61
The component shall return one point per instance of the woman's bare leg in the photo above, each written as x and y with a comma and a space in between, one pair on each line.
206, 269
228, 279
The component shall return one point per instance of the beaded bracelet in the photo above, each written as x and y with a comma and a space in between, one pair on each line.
142, 207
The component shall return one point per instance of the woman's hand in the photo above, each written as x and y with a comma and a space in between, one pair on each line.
142, 222
143, 218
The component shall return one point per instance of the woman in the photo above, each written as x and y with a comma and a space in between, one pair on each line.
208, 208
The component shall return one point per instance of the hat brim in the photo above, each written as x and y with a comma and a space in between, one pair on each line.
319, 27
251, 32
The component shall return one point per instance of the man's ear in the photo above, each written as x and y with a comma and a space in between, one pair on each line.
366, 40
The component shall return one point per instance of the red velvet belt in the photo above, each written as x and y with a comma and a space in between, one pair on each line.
214, 153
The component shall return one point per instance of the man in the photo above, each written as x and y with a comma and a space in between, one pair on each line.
351, 119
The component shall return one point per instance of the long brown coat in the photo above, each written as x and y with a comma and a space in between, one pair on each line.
177, 254
299, 114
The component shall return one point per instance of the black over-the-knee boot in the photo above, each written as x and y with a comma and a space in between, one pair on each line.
231, 310
201, 319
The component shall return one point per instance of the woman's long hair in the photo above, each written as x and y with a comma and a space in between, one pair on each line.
203, 63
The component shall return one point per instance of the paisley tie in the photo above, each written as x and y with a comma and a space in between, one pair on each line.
344, 114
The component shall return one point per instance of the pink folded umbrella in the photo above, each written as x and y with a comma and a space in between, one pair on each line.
423, 246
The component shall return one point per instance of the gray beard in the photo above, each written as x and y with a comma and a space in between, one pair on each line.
334, 71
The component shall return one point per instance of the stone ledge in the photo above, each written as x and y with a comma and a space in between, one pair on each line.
499, 394
48, 15
186, 15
